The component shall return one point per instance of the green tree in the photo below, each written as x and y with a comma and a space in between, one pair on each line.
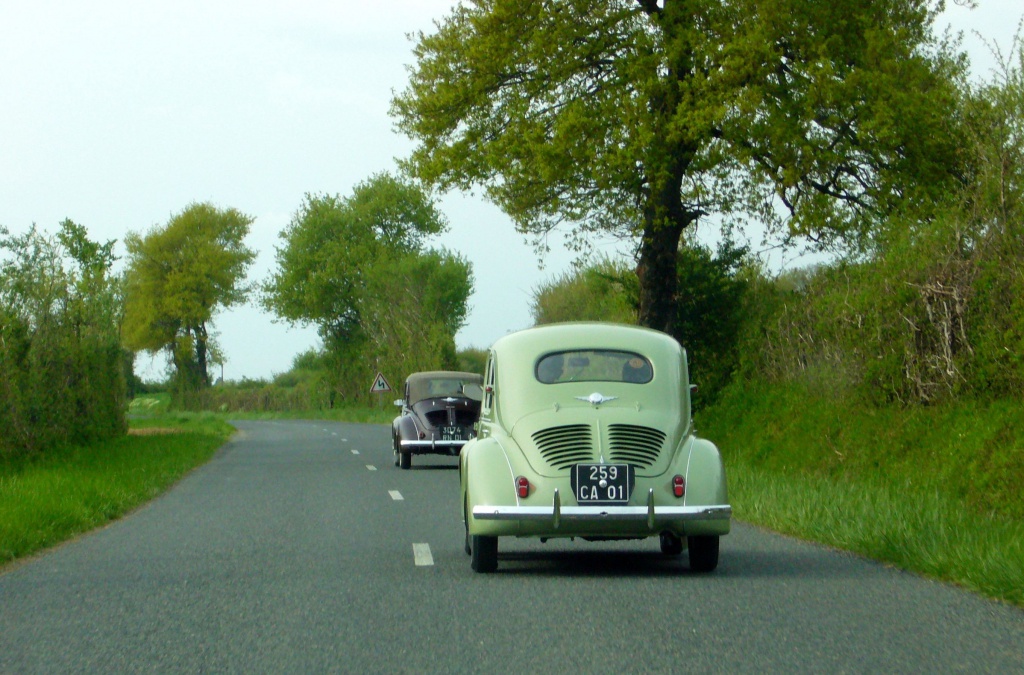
331, 242
413, 307
357, 268
641, 117
178, 277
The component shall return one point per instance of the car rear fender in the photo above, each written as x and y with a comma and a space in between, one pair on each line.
486, 477
705, 475
407, 428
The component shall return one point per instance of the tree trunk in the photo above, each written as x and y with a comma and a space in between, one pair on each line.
665, 218
664, 215
201, 366
656, 272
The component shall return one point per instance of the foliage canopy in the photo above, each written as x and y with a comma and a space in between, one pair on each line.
640, 117
358, 269
178, 277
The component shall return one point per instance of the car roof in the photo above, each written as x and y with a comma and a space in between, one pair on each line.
533, 342
445, 375
418, 385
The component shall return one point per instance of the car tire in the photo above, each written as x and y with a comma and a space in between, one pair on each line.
404, 460
485, 553
703, 553
671, 544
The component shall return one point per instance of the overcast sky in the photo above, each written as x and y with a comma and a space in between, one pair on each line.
118, 114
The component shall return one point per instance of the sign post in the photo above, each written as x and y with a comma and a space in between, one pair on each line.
380, 387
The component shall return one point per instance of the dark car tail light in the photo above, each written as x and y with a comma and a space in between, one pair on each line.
522, 487
679, 486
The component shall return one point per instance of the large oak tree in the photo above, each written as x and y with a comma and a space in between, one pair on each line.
640, 117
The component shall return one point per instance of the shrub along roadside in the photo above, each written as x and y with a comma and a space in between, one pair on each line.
931, 490
53, 496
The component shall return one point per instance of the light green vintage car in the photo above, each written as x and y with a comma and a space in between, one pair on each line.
585, 431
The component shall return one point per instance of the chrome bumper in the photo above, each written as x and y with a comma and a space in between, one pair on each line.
557, 513
433, 444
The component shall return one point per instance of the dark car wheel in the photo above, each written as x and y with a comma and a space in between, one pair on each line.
703, 553
485, 553
671, 544
404, 460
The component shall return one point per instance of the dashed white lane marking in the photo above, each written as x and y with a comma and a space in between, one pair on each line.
344, 440
371, 467
396, 495
355, 452
334, 433
421, 554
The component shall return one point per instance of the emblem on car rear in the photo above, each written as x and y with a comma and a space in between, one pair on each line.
597, 398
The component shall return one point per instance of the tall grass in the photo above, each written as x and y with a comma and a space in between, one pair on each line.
889, 485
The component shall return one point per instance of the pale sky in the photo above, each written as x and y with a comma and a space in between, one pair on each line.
117, 114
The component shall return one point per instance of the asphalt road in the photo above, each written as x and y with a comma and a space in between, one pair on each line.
301, 548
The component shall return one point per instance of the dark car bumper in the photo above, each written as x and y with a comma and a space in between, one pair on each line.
432, 447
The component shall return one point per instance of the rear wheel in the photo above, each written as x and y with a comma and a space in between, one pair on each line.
671, 544
485, 553
703, 553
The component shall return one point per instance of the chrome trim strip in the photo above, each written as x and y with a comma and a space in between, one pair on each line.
559, 513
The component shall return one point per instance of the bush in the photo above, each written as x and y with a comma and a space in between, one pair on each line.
61, 362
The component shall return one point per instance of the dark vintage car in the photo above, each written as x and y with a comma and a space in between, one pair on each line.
438, 413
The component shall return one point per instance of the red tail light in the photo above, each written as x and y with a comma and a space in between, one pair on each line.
679, 486
522, 487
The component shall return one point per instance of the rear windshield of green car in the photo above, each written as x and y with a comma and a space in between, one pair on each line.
593, 365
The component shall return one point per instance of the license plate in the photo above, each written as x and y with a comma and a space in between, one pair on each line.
451, 434
602, 484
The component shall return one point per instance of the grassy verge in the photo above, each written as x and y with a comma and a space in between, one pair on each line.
143, 407
928, 490
52, 497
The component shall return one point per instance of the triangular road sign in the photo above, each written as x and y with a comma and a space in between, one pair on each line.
380, 385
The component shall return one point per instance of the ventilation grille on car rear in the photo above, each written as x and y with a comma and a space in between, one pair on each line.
639, 446
464, 417
437, 418
562, 447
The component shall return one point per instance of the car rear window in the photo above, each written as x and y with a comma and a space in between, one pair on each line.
444, 387
593, 365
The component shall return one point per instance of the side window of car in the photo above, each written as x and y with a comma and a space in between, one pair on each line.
488, 402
